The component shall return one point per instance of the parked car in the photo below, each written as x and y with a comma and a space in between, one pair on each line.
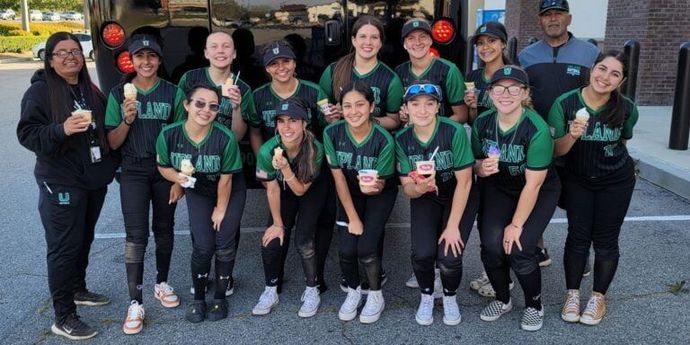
7, 14
51, 16
35, 15
71, 15
84, 38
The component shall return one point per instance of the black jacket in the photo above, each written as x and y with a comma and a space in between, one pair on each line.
56, 163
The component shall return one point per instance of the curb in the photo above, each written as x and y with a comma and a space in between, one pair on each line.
662, 173
16, 60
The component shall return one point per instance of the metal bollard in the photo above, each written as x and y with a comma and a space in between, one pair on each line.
512, 49
632, 50
680, 121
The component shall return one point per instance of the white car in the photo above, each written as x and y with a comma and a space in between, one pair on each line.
36, 15
84, 38
51, 16
7, 14
71, 15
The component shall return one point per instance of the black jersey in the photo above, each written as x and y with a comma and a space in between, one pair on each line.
385, 84
264, 161
440, 72
156, 107
481, 84
600, 151
266, 100
201, 76
454, 153
376, 152
217, 154
527, 145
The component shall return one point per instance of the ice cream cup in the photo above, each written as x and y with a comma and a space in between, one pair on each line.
83, 112
426, 168
367, 177
323, 104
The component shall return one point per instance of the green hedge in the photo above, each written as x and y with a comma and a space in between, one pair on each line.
18, 44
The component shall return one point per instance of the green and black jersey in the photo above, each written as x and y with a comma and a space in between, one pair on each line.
376, 151
385, 84
482, 84
454, 153
527, 145
217, 154
266, 100
201, 76
443, 73
157, 107
600, 151
264, 161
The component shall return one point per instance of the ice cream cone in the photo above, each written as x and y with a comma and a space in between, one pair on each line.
130, 91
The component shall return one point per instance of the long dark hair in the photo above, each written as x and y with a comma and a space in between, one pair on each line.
342, 71
614, 114
360, 87
60, 96
305, 167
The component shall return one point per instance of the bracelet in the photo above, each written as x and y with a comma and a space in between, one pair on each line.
125, 121
289, 178
515, 226
278, 226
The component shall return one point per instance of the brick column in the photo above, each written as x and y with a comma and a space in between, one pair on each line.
521, 20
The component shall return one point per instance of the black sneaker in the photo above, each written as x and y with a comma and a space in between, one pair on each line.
218, 310
73, 328
196, 312
543, 257
90, 298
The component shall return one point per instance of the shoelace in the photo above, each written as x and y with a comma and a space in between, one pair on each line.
135, 311
165, 288
309, 297
375, 302
265, 299
426, 304
593, 304
572, 301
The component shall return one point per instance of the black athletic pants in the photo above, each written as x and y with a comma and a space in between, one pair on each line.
497, 213
141, 186
69, 217
596, 210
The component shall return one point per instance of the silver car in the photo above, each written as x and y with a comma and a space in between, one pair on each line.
84, 38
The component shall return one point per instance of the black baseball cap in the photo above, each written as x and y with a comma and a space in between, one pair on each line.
511, 72
140, 42
493, 29
278, 50
546, 5
293, 109
415, 24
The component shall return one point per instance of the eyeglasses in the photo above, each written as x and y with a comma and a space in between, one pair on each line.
513, 90
422, 89
199, 104
62, 54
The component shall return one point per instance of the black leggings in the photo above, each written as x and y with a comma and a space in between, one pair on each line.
142, 185
497, 213
206, 242
596, 210
302, 213
373, 211
429, 216
69, 217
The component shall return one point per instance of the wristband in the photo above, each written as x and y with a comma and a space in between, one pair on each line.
289, 178
278, 226
128, 124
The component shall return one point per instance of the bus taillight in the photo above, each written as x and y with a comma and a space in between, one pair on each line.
124, 62
113, 35
434, 52
443, 31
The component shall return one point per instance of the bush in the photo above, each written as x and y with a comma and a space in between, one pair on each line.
18, 44
40, 29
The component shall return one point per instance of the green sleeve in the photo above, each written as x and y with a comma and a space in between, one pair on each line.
113, 115
319, 157
402, 160
630, 123
329, 151
476, 143
264, 162
326, 83
247, 105
162, 155
183, 83
455, 86
462, 154
385, 164
253, 118
540, 150
556, 120
231, 162
180, 112
394, 99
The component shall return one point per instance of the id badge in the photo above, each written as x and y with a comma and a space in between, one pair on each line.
95, 154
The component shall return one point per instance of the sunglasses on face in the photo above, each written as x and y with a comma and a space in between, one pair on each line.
422, 89
199, 104
513, 90
64, 53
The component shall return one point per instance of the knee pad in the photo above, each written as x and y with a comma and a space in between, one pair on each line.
450, 265
523, 262
306, 251
369, 259
134, 252
225, 254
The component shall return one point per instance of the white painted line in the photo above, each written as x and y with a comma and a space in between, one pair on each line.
106, 236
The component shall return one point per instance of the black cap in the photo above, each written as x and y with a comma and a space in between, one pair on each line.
511, 72
293, 109
561, 5
277, 50
415, 24
140, 42
493, 29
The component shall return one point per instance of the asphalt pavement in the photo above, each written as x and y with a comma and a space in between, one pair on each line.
644, 306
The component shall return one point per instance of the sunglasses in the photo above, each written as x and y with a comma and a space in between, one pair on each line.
422, 89
199, 104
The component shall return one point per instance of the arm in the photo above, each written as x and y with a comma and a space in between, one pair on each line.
451, 234
461, 114
255, 139
415, 188
565, 143
224, 189
526, 202
277, 229
297, 186
37, 133
390, 122
171, 175
355, 225
118, 135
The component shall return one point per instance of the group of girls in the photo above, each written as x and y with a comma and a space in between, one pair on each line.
182, 140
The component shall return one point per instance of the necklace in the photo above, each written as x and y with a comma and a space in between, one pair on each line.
514, 132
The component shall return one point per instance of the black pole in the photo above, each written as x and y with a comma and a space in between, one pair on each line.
680, 122
512, 49
632, 50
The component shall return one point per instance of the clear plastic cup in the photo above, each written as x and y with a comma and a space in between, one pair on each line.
367, 177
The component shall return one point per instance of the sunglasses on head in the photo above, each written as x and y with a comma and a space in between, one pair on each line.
199, 104
422, 89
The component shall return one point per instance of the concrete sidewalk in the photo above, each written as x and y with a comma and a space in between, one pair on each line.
657, 163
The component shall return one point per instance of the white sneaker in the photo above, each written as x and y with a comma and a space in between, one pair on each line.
311, 301
268, 300
134, 322
348, 311
480, 281
425, 311
451, 311
488, 291
166, 295
373, 308
412, 282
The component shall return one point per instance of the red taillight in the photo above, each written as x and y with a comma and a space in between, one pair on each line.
443, 31
113, 35
124, 62
434, 52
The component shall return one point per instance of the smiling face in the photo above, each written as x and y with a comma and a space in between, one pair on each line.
607, 75
423, 110
489, 48
417, 44
554, 23
291, 130
199, 107
356, 109
281, 69
507, 95
67, 67
146, 63
220, 50
367, 42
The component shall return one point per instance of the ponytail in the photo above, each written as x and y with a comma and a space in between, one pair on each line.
306, 157
342, 73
